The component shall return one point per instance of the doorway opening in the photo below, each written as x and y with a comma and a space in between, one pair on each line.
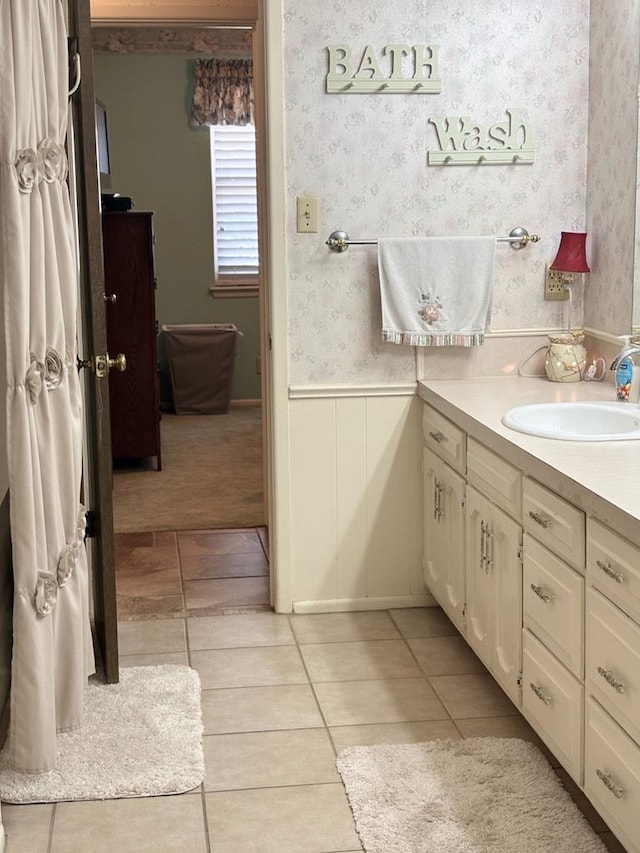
200, 525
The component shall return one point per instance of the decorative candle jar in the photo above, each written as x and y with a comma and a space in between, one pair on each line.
566, 357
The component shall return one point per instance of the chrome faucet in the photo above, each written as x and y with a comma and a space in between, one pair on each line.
630, 350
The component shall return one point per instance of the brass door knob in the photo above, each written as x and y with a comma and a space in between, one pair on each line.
102, 364
119, 362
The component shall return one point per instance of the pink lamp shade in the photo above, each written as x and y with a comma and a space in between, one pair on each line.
572, 253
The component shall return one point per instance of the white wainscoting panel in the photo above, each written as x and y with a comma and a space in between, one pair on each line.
351, 504
356, 502
314, 533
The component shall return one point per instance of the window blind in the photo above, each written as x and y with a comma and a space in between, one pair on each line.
235, 219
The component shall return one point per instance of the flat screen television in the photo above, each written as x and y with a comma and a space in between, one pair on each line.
102, 139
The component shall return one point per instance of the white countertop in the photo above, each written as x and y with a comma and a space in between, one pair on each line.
603, 478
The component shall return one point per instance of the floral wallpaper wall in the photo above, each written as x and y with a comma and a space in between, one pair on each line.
365, 157
613, 147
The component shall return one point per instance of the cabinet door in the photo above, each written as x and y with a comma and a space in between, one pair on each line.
505, 554
444, 569
494, 590
452, 488
480, 587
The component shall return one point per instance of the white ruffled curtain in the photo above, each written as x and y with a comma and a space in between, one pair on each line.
52, 649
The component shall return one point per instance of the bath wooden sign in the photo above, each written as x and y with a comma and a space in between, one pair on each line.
395, 68
463, 141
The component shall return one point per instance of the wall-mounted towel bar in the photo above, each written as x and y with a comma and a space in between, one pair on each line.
339, 241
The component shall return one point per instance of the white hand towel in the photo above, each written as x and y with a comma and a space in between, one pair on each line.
436, 291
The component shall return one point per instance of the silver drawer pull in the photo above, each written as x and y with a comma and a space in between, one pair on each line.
610, 678
608, 782
483, 546
540, 518
438, 436
608, 569
539, 591
542, 696
438, 511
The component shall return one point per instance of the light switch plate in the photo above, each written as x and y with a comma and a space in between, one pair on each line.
307, 214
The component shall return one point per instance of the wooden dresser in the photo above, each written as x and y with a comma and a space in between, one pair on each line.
132, 330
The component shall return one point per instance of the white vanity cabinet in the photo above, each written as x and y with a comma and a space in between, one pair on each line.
565, 617
612, 669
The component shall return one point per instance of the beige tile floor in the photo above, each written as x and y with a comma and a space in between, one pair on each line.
282, 695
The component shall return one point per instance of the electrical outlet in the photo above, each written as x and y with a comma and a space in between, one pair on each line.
554, 285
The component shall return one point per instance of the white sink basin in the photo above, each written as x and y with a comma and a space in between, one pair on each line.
588, 421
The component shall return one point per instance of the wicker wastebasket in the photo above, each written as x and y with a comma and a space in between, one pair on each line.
201, 362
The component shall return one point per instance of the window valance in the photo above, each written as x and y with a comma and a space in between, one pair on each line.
223, 92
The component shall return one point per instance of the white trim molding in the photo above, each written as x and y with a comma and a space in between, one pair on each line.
522, 333
343, 605
607, 337
315, 392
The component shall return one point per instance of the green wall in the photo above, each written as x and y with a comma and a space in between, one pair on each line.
164, 165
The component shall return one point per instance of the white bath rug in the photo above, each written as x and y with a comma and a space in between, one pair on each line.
482, 795
140, 738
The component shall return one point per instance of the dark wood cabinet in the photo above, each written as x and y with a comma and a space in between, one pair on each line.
131, 329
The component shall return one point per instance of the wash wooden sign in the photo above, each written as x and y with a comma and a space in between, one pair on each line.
463, 141
409, 69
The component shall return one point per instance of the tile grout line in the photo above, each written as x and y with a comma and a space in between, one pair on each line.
426, 677
51, 828
312, 686
181, 578
205, 817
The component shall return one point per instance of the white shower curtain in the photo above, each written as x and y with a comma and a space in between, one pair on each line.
52, 649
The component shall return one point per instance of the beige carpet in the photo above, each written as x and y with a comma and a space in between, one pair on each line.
140, 738
211, 476
481, 795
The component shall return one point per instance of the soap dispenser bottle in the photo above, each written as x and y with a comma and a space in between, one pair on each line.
627, 377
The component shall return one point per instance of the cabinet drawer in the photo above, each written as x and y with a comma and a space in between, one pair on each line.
555, 522
613, 661
445, 438
553, 603
612, 775
613, 565
497, 479
552, 701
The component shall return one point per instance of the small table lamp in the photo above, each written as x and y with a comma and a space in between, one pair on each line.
566, 356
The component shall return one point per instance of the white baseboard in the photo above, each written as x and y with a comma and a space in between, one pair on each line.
342, 605
249, 402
